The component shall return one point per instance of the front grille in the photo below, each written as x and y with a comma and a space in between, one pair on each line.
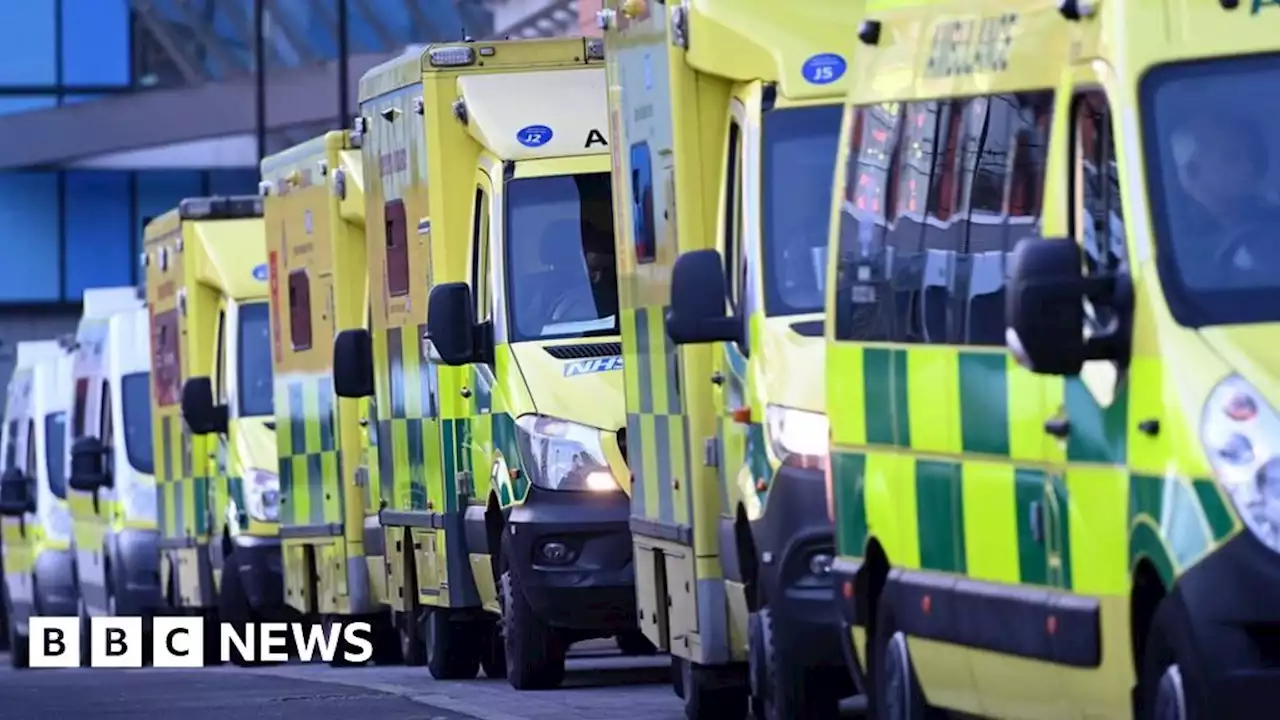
584, 351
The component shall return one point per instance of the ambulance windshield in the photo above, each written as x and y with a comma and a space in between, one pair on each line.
797, 168
134, 394
55, 452
254, 368
561, 274
1213, 169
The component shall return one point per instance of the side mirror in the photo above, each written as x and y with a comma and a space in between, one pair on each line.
198, 409
88, 465
353, 363
1044, 307
452, 328
698, 291
15, 494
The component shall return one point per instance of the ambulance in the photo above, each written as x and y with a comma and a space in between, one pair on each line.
726, 121
211, 406
499, 440
332, 542
112, 465
35, 523
1049, 368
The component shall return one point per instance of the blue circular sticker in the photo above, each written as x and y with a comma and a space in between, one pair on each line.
824, 69
260, 273
534, 136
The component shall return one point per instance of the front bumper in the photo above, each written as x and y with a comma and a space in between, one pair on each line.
1230, 603
593, 588
260, 563
794, 529
136, 573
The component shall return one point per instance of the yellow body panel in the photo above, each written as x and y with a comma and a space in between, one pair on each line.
314, 216
202, 275
944, 466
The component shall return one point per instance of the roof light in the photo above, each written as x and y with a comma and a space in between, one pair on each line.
595, 48
451, 56
220, 208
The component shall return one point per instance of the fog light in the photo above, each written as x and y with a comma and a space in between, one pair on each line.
819, 564
600, 481
555, 553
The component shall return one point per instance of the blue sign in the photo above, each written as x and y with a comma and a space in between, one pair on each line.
260, 273
534, 136
594, 365
824, 69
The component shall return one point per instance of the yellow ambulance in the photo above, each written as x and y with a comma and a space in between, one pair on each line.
332, 542
35, 524
726, 119
499, 439
211, 407
1081, 525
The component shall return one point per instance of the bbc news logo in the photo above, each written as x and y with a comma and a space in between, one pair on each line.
178, 642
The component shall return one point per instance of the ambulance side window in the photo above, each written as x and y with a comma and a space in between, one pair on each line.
107, 427
32, 466
80, 408
11, 445
397, 239
300, 310
480, 255
1097, 219
220, 363
735, 268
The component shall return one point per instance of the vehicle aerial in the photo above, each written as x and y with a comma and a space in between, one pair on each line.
1079, 525
35, 524
111, 472
725, 143
498, 440
211, 407
332, 543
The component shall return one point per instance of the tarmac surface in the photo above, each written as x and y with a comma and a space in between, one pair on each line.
601, 684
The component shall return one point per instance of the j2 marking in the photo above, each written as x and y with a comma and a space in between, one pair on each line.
967, 47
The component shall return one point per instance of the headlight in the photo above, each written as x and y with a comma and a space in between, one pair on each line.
797, 437
562, 455
139, 500
1238, 429
60, 525
262, 495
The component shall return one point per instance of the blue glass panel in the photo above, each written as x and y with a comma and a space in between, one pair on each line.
29, 243
238, 181
99, 251
89, 97
27, 45
160, 191
10, 104
95, 42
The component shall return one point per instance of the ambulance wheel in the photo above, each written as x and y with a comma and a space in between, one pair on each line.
233, 608
1170, 670
452, 653
782, 688
897, 694
493, 654
212, 637
19, 644
86, 641
327, 623
387, 649
413, 646
535, 652
707, 697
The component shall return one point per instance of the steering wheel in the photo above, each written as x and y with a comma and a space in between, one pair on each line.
1254, 234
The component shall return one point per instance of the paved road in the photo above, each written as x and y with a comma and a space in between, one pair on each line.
601, 684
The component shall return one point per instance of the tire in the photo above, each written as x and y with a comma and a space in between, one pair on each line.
704, 699
233, 608
413, 644
493, 653
452, 650
535, 652
386, 640
782, 688
19, 644
896, 692
212, 638
635, 643
1170, 681
339, 658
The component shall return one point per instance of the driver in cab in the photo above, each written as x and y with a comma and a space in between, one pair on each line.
1222, 163
575, 282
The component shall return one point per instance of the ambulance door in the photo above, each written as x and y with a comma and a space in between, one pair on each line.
729, 375
211, 517
482, 289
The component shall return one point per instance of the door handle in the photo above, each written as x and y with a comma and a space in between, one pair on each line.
717, 378
465, 392
1058, 427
